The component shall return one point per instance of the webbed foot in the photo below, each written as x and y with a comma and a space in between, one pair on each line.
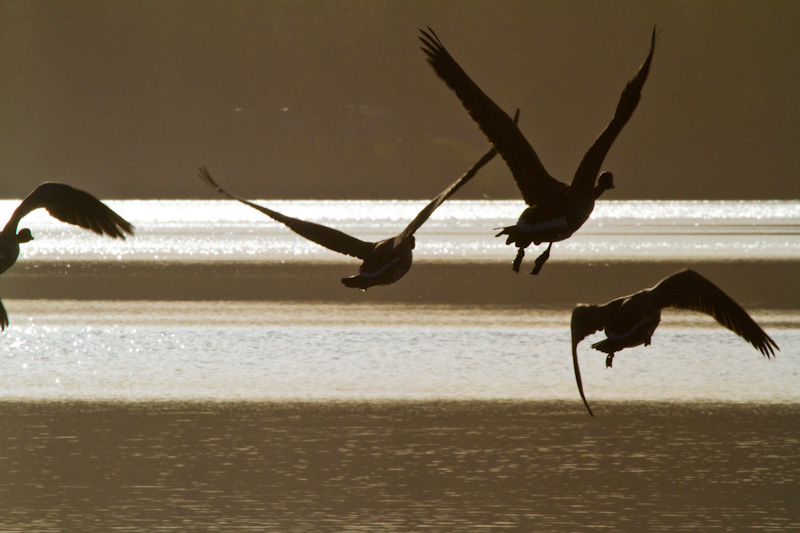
518, 260
540, 261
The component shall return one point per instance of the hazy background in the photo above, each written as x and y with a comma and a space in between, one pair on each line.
316, 99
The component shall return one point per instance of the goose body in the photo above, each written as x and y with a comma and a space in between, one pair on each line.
383, 262
65, 203
556, 210
388, 262
631, 320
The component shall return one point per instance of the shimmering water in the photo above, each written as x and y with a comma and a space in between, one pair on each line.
459, 230
153, 415
257, 351
327, 350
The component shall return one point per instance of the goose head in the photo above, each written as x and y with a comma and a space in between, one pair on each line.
24, 236
604, 183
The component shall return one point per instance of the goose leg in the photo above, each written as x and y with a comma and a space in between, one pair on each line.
609, 360
518, 259
541, 260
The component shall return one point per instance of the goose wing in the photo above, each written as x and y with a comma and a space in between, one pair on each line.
588, 319
428, 210
590, 165
330, 238
73, 206
689, 290
3, 317
532, 179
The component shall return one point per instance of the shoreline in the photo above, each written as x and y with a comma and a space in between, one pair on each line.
755, 285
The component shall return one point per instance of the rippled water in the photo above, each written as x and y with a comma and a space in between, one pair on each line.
438, 466
461, 230
325, 416
232, 351
273, 351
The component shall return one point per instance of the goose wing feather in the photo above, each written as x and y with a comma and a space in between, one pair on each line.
330, 238
592, 161
689, 290
74, 206
532, 179
3, 317
428, 210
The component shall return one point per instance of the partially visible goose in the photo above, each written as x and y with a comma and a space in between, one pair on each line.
631, 320
67, 204
384, 262
556, 209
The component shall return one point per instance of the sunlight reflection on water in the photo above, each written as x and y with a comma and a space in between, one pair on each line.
287, 351
460, 230
214, 457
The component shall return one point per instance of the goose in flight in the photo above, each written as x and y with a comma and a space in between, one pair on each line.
67, 204
556, 210
631, 320
384, 262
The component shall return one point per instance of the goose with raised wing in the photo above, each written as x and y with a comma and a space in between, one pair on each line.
383, 262
67, 204
556, 210
631, 320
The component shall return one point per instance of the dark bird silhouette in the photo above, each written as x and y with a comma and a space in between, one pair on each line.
67, 204
556, 210
384, 262
631, 320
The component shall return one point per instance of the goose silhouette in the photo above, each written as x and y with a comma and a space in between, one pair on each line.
383, 262
631, 320
67, 204
556, 210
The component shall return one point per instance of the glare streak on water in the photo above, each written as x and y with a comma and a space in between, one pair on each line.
208, 230
228, 350
285, 351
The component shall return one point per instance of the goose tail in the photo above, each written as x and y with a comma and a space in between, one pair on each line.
513, 234
356, 282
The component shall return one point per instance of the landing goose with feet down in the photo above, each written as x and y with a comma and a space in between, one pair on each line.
556, 210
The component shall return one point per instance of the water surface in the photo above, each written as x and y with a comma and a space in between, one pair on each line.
211, 374
459, 230
276, 351
407, 466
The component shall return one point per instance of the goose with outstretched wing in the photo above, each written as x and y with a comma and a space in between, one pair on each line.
67, 204
383, 262
631, 320
556, 210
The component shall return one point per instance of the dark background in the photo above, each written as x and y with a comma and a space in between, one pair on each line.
333, 99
